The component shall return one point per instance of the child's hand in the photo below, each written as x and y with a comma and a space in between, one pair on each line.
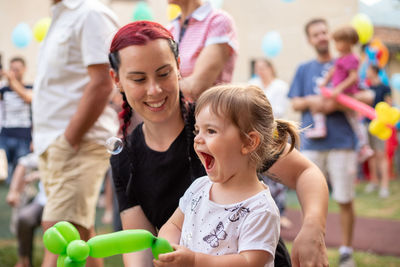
181, 257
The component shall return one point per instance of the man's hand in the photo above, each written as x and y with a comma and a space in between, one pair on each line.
72, 142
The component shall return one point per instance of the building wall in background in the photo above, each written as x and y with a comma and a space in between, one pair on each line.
253, 18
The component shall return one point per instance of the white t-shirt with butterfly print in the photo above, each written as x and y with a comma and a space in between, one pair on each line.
215, 229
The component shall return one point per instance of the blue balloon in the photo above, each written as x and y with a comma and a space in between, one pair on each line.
21, 35
398, 125
383, 77
395, 81
272, 44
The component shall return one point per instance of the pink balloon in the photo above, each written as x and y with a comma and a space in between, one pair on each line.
352, 103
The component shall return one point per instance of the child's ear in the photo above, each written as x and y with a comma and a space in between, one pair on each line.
252, 142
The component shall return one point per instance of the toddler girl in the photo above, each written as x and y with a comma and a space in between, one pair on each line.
228, 218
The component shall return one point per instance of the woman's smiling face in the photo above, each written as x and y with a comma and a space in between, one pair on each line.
148, 75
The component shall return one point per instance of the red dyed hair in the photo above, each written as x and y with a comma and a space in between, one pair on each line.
138, 33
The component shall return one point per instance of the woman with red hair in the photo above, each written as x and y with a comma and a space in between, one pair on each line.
158, 162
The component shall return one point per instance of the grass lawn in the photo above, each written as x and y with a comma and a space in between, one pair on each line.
366, 205
369, 205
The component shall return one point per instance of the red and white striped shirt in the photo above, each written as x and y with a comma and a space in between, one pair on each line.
205, 26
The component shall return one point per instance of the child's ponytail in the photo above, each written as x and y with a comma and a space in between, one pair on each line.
284, 130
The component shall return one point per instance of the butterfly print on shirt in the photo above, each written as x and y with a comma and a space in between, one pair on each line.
218, 234
238, 211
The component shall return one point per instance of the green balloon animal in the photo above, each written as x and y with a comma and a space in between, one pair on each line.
63, 239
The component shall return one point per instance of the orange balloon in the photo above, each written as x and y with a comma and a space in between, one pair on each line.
382, 50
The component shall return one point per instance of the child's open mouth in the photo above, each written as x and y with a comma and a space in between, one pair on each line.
209, 160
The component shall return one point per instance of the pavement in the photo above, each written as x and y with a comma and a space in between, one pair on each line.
377, 236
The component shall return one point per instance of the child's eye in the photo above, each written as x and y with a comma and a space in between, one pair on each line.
211, 131
195, 132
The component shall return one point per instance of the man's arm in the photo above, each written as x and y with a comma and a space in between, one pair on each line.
208, 67
91, 105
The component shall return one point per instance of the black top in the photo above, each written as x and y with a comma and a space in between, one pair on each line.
381, 91
158, 179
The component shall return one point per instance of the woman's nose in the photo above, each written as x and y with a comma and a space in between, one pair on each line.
154, 88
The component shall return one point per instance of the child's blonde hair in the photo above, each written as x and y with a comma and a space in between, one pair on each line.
247, 107
347, 34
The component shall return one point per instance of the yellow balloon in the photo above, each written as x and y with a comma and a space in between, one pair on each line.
387, 114
379, 129
40, 29
173, 11
364, 27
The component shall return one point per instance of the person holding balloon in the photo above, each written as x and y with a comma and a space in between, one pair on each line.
229, 216
207, 43
158, 162
344, 78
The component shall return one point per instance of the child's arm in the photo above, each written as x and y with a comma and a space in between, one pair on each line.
327, 77
350, 80
185, 257
172, 229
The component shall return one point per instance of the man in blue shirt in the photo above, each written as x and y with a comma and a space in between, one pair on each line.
16, 123
335, 153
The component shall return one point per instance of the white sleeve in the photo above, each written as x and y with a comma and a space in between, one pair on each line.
96, 36
260, 232
282, 99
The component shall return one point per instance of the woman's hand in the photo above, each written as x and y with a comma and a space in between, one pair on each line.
180, 257
309, 247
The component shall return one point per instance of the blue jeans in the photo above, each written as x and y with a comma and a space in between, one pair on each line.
15, 148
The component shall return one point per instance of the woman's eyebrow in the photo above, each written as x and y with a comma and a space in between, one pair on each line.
160, 68
136, 72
